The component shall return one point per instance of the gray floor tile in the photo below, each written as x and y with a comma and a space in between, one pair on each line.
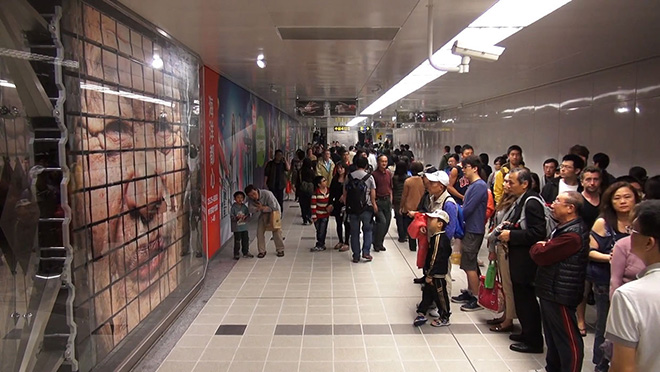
376, 329
231, 330
404, 329
464, 329
318, 329
348, 329
289, 330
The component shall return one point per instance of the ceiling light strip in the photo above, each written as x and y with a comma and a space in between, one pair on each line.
121, 93
498, 23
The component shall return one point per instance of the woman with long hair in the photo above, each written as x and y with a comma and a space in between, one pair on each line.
499, 251
306, 190
617, 205
398, 179
339, 210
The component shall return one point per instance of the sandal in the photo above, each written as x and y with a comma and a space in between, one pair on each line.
261, 255
499, 329
280, 254
583, 332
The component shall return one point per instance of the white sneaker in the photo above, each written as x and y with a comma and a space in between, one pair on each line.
434, 313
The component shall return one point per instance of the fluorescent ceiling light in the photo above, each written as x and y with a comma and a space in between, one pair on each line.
5, 83
121, 93
502, 20
162, 32
356, 120
261, 63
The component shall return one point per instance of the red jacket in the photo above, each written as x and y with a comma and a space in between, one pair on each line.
422, 240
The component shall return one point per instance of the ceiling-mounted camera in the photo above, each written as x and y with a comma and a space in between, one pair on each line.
483, 53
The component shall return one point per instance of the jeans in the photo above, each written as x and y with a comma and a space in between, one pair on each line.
400, 225
279, 195
412, 243
364, 219
305, 206
321, 225
565, 346
383, 219
602, 297
241, 238
343, 224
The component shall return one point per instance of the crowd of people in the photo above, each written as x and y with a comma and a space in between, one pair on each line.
572, 236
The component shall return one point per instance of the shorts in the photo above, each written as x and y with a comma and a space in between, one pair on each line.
469, 250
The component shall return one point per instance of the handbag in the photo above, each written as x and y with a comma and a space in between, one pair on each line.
491, 299
274, 221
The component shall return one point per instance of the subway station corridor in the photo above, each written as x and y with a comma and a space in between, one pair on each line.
319, 312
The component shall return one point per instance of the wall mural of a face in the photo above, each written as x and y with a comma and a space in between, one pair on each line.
130, 166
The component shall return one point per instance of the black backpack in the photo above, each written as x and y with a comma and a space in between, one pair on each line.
357, 193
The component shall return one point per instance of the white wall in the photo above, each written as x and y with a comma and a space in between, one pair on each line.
615, 111
345, 138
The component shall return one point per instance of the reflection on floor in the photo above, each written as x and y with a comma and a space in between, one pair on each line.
317, 312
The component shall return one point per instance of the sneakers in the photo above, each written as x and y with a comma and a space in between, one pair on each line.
316, 249
434, 313
248, 255
463, 298
440, 323
471, 306
344, 248
420, 321
236, 256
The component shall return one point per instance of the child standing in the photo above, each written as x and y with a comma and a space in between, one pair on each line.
321, 210
435, 270
239, 214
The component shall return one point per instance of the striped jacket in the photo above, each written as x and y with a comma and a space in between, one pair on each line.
320, 202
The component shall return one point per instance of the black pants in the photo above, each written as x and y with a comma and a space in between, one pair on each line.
305, 200
435, 292
279, 195
529, 314
343, 224
565, 346
400, 225
412, 243
241, 238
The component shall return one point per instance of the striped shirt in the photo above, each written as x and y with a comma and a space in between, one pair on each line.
320, 201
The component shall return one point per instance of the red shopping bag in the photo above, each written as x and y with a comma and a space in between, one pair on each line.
491, 299
288, 187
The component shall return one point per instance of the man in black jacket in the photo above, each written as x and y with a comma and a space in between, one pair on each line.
520, 236
560, 279
569, 178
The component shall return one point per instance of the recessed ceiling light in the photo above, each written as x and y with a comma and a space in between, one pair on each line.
157, 62
261, 60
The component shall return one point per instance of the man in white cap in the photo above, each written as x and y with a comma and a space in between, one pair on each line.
436, 268
440, 200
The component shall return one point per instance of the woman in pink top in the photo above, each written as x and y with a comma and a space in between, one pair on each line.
624, 265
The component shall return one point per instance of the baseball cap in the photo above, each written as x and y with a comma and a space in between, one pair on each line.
439, 176
439, 214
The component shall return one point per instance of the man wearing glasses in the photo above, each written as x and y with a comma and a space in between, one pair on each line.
569, 174
562, 268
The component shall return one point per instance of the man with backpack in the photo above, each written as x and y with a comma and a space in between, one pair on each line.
360, 200
527, 227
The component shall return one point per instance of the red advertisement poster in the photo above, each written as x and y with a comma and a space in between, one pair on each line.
211, 201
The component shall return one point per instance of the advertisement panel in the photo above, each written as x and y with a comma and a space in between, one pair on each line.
211, 161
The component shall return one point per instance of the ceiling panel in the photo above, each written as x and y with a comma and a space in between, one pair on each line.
582, 37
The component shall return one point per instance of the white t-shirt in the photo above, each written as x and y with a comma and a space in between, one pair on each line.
563, 187
634, 317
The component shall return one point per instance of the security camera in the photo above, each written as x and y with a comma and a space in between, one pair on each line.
487, 53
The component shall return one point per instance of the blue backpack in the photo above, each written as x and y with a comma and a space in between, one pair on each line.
460, 226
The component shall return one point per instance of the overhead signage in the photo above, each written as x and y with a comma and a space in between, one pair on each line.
310, 108
342, 128
417, 116
318, 108
343, 108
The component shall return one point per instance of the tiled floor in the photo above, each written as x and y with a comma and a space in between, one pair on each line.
317, 312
